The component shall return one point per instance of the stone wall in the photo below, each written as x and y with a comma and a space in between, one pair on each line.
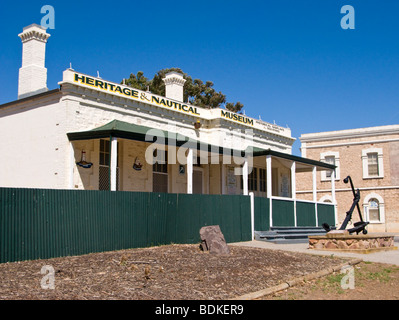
355, 243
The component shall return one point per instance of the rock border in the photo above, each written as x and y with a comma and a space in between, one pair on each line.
353, 243
295, 281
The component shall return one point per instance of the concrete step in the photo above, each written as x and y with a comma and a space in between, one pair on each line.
297, 229
282, 236
287, 241
288, 234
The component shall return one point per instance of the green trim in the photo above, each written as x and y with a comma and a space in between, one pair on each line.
124, 130
258, 153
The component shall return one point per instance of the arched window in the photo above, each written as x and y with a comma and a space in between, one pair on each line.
326, 199
374, 210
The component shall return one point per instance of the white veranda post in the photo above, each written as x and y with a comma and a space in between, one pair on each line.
333, 195
314, 178
245, 177
190, 171
293, 189
269, 186
114, 161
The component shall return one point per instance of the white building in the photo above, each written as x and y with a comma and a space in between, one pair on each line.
95, 134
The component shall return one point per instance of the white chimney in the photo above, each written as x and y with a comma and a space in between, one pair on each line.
174, 83
33, 74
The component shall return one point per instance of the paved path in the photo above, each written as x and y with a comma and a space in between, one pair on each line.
391, 257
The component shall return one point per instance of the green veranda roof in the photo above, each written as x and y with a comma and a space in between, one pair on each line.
125, 130
257, 152
118, 129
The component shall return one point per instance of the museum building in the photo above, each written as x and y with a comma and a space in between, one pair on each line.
94, 134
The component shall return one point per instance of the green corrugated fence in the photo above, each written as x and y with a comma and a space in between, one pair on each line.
283, 213
290, 213
261, 214
43, 223
325, 214
305, 214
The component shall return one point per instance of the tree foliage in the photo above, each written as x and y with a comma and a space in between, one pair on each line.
234, 107
195, 92
137, 81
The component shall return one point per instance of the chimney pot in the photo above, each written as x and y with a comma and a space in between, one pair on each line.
174, 83
33, 74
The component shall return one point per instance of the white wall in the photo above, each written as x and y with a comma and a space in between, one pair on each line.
35, 151
33, 144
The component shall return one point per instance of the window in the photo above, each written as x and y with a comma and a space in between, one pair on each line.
105, 159
262, 180
252, 180
160, 171
372, 159
329, 160
330, 157
104, 152
326, 199
373, 166
374, 210
275, 192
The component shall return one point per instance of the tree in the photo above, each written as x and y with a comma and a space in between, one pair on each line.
139, 82
196, 92
234, 107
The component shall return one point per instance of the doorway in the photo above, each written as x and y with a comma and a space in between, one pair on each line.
197, 181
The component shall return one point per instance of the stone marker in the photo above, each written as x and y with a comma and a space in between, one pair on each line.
213, 240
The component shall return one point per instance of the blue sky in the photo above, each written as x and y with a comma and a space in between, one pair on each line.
286, 61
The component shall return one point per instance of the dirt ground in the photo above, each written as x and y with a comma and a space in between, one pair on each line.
371, 281
176, 272
184, 272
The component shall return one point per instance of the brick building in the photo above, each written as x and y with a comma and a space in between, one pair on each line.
371, 157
